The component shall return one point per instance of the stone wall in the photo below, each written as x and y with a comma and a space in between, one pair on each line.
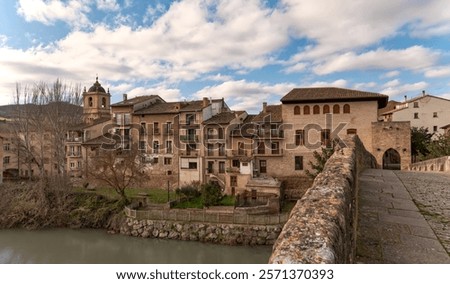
229, 234
322, 225
441, 164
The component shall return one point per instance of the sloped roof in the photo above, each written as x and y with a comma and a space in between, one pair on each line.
135, 100
389, 107
222, 118
414, 100
160, 108
192, 106
324, 94
273, 113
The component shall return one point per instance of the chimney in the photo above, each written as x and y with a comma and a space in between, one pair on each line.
205, 101
406, 98
125, 96
264, 107
423, 93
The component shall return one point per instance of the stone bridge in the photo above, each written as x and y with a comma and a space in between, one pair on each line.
356, 214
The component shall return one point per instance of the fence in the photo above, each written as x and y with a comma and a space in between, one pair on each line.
204, 216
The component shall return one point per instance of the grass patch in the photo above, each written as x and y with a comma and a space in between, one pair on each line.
195, 202
227, 200
154, 195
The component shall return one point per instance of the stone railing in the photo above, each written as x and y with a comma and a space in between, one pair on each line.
441, 164
322, 226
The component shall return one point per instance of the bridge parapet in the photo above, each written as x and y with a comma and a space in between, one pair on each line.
441, 164
322, 225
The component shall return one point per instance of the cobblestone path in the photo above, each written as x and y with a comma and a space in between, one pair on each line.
431, 194
391, 228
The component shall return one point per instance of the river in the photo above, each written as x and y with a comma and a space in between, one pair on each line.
96, 246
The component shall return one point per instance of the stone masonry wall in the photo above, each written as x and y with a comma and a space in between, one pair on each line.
228, 234
322, 225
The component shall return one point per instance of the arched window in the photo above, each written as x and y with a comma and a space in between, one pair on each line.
306, 110
103, 102
326, 109
296, 110
90, 103
316, 109
336, 109
346, 108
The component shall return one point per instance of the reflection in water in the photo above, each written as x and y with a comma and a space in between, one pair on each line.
96, 246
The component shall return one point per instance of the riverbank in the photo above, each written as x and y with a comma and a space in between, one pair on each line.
34, 206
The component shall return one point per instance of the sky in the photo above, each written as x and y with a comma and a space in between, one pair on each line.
246, 51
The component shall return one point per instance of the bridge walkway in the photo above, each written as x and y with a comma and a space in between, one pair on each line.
391, 228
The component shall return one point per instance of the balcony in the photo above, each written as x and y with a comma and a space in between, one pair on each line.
216, 153
240, 153
74, 154
168, 132
270, 134
268, 152
189, 138
74, 139
188, 153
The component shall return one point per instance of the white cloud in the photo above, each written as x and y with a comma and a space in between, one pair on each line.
167, 94
48, 12
391, 74
243, 95
405, 88
301, 66
413, 58
438, 72
392, 83
152, 12
364, 86
218, 77
341, 83
108, 5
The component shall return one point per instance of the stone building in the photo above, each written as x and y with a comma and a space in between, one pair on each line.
423, 111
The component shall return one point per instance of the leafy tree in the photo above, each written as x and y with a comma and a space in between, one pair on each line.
211, 194
320, 160
189, 191
439, 147
420, 141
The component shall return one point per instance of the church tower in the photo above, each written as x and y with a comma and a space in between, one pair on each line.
96, 103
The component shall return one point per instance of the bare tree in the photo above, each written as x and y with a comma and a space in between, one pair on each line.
118, 169
43, 115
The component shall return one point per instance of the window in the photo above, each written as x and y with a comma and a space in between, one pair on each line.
143, 128
416, 104
190, 119
221, 149
6, 160
241, 149
306, 110
192, 165
261, 148
155, 147
299, 137
298, 163
336, 109
416, 115
346, 108
235, 163
275, 146
90, 102
435, 128
220, 130
6, 147
72, 165
210, 148
103, 102
155, 160
142, 145
325, 138
233, 180
155, 128
167, 161
326, 109
79, 165
351, 131
316, 109
169, 147
296, 110
169, 128
263, 166
221, 167
435, 114
127, 118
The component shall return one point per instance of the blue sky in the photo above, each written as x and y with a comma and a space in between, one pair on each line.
246, 51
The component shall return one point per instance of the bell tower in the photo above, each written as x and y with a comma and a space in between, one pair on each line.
96, 103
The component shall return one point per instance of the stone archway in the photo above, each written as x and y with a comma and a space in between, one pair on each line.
391, 160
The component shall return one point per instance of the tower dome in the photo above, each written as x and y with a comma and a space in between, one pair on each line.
97, 87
